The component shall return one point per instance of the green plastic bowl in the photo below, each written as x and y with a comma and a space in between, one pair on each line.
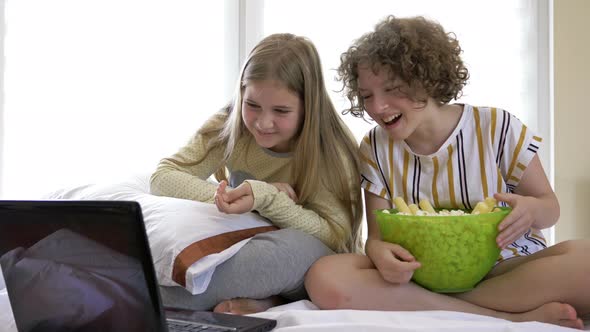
456, 252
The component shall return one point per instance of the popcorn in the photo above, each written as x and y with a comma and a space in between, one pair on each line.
489, 205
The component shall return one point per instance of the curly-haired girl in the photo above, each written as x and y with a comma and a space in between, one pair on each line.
403, 75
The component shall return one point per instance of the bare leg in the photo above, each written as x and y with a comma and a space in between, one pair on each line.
559, 273
243, 306
352, 282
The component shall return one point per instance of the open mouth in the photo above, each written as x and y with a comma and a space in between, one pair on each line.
392, 119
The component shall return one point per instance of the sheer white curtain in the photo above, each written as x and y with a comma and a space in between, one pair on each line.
96, 90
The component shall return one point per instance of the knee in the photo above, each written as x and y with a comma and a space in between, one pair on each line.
576, 247
323, 285
577, 251
581, 248
308, 248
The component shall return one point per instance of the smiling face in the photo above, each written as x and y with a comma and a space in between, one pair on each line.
388, 102
272, 113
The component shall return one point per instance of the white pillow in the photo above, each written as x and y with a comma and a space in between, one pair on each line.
188, 239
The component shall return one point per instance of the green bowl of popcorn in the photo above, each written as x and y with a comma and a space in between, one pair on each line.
455, 251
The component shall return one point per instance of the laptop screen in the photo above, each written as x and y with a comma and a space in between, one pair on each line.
78, 266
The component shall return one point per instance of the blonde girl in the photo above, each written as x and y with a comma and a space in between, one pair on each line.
279, 149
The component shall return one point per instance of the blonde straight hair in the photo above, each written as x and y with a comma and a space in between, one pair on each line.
324, 139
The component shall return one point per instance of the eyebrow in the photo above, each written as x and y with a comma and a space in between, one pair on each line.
248, 100
391, 84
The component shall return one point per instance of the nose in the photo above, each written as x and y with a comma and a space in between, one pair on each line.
265, 121
380, 105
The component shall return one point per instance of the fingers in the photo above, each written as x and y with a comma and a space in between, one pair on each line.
512, 232
220, 193
241, 205
395, 263
399, 271
401, 253
291, 193
243, 189
234, 201
220, 198
510, 219
406, 262
513, 227
506, 197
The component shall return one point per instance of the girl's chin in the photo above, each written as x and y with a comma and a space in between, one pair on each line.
264, 144
267, 144
396, 134
396, 130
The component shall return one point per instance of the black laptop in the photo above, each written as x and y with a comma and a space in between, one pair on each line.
87, 266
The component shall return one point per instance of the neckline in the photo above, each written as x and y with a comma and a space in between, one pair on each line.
449, 140
275, 154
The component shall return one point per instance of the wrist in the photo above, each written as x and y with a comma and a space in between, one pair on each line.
369, 246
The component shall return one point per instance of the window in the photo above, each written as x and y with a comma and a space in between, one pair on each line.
95, 90
99, 89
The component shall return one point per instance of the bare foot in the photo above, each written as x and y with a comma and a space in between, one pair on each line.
243, 306
556, 313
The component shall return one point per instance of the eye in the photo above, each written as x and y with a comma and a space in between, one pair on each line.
396, 90
251, 105
281, 111
365, 97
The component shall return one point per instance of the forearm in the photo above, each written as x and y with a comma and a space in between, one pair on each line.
284, 213
175, 183
547, 211
372, 203
370, 247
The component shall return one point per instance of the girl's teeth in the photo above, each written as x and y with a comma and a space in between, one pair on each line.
391, 118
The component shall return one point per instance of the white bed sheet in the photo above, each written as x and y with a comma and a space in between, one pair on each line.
303, 316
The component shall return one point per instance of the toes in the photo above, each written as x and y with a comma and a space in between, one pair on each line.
573, 323
223, 307
567, 312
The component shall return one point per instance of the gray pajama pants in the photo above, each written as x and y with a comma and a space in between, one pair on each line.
272, 263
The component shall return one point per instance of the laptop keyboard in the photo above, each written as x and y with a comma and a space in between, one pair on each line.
181, 326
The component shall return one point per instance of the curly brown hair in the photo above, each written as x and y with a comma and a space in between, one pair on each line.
416, 50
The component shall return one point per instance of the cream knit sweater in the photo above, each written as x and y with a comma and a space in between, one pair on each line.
182, 177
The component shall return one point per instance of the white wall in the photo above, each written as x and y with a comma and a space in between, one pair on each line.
1, 95
572, 117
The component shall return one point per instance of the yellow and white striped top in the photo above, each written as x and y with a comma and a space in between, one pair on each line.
487, 153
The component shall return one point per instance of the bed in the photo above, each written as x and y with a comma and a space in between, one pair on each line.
304, 316
193, 270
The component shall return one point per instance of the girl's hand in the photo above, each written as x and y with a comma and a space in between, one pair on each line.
287, 189
520, 219
234, 201
394, 263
